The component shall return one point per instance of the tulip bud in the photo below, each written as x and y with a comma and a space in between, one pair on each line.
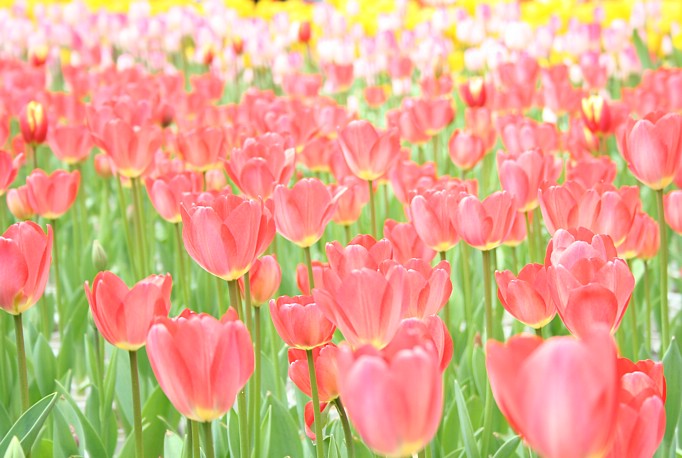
596, 113
33, 122
304, 32
99, 256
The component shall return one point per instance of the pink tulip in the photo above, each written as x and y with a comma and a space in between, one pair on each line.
526, 297
368, 152
484, 225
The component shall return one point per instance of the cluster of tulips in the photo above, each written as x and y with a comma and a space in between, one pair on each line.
385, 177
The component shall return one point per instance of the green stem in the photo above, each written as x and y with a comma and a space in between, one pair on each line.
538, 332
244, 444
257, 380
275, 358
347, 232
137, 404
247, 302
487, 286
487, 420
21, 360
309, 265
196, 450
209, 452
436, 160
222, 307
530, 239
32, 151
647, 298
372, 209
446, 311
348, 435
540, 245
57, 278
514, 260
422, 453
3, 219
235, 298
466, 285
663, 273
139, 225
124, 222
182, 267
632, 311
319, 439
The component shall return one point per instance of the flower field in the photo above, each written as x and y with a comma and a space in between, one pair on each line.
341, 229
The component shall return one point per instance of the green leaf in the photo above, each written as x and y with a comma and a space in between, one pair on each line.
266, 427
642, 51
450, 428
508, 448
45, 366
672, 368
173, 446
63, 440
14, 450
465, 424
284, 431
93, 442
29, 424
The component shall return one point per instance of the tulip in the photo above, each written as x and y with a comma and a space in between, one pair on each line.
430, 215
429, 288
591, 171
226, 233
302, 280
18, 203
596, 114
103, 166
484, 225
51, 196
406, 243
520, 134
351, 202
326, 370
362, 251
408, 176
466, 149
368, 152
26, 253
560, 395
522, 174
589, 284
300, 323
526, 297
165, 192
473, 92
304, 32
201, 363
202, 148
33, 123
71, 144
643, 238
413, 331
131, 148
303, 212
124, 315
395, 413
375, 96
672, 203
265, 277
9, 167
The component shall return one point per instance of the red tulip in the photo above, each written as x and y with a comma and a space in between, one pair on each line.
351, 202
652, 148
261, 164
484, 225
304, 32
201, 363
406, 243
224, 234
640, 424
596, 114
590, 286
430, 215
265, 277
131, 148
526, 297
26, 252
9, 167
300, 322
368, 152
51, 196
202, 148
466, 149
33, 122
473, 92
71, 144
326, 369
124, 315
395, 413
303, 212
166, 191
560, 395
522, 174
18, 203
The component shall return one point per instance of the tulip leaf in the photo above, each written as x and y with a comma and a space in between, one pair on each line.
284, 431
465, 424
45, 366
173, 446
450, 428
266, 427
93, 442
29, 424
233, 432
64, 443
672, 368
508, 448
642, 51
14, 450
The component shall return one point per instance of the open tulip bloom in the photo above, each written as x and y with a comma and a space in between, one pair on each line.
422, 228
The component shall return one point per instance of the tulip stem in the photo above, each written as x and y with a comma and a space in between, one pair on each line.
487, 285
540, 246
254, 393
372, 209
182, 267
32, 152
57, 282
319, 438
647, 298
538, 332
3, 219
348, 435
209, 452
137, 405
21, 360
194, 437
632, 311
464, 267
257, 381
124, 223
663, 273
221, 297
139, 223
530, 238
446, 314
309, 265
348, 234
244, 444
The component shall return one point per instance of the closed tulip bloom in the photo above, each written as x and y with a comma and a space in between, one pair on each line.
473, 92
406, 243
395, 413
560, 395
261, 164
643, 239
165, 192
526, 297
466, 149
318, 277
591, 171
26, 253
202, 148
413, 331
33, 122
673, 210
375, 96
429, 288
104, 168
300, 323
303, 212
18, 203
71, 144
131, 148
369, 153
652, 147
522, 174
517, 234
408, 176
640, 424
51, 196
484, 225
265, 277
224, 234
201, 363
362, 251
326, 370
351, 202
9, 167
596, 113
590, 286
124, 315
430, 215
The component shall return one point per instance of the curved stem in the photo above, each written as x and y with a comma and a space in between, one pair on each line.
209, 452
124, 223
21, 361
244, 444
309, 265
137, 404
257, 381
319, 438
182, 267
372, 209
663, 273
348, 435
